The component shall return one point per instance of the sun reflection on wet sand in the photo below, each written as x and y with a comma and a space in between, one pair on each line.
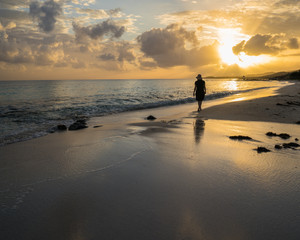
217, 171
264, 168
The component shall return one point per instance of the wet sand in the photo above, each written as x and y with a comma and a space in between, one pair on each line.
178, 177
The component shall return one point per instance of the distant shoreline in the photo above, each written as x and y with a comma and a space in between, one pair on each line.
293, 75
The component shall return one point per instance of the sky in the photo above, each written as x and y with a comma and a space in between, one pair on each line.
128, 39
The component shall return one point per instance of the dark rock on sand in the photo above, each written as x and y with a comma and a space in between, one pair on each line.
271, 134
278, 146
150, 117
296, 139
62, 127
97, 126
281, 135
240, 137
284, 135
79, 124
291, 145
298, 122
262, 149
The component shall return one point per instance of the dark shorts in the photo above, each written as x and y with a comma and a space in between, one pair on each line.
200, 96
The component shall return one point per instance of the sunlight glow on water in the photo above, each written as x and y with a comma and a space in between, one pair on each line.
231, 85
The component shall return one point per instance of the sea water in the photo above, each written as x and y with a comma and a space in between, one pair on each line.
31, 109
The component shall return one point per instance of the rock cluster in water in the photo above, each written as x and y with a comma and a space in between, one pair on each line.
61, 127
79, 124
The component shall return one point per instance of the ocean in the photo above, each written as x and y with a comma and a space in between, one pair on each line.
30, 109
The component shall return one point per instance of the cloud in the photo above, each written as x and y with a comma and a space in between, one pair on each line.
3, 29
8, 26
268, 17
94, 13
126, 53
31, 49
251, 17
107, 57
106, 28
114, 56
8, 15
260, 44
116, 12
11, 52
11, 4
22, 44
287, 2
237, 49
147, 64
189, 40
118, 51
46, 14
99, 13
175, 46
82, 2
265, 44
293, 43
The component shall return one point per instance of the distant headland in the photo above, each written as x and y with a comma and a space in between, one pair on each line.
293, 75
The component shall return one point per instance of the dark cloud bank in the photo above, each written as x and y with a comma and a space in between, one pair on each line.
265, 44
167, 47
108, 27
45, 13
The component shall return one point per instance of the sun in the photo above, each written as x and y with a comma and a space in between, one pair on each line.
229, 37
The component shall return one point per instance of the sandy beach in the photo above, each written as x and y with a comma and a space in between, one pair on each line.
177, 177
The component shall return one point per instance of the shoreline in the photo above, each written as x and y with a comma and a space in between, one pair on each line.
21, 133
259, 106
178, 177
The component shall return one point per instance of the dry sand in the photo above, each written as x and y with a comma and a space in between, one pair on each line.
178, 177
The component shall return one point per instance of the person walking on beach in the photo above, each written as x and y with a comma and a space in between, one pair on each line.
199, 91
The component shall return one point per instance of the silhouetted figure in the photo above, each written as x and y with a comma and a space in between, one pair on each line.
199, 91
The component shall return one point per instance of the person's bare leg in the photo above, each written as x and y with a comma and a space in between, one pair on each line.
199, 106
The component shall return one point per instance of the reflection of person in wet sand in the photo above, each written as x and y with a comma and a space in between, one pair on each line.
199, 91
198, 129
